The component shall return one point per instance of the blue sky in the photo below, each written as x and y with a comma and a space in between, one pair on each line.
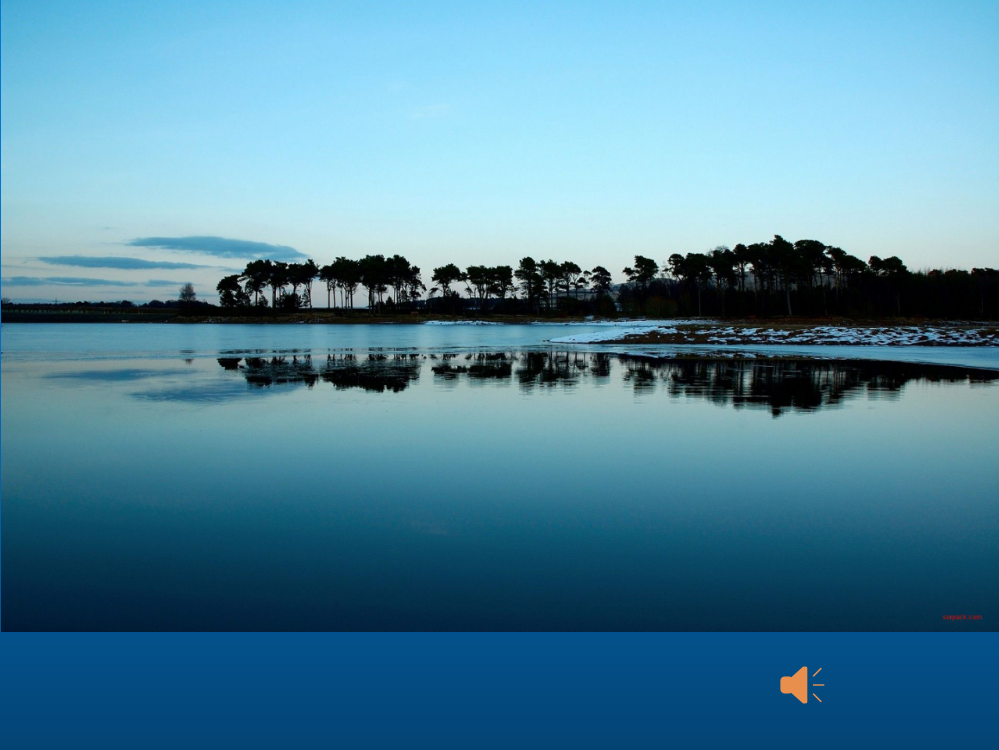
483, 132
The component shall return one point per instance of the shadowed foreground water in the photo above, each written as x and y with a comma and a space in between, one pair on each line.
496, 490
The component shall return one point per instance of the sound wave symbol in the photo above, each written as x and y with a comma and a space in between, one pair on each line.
815, 685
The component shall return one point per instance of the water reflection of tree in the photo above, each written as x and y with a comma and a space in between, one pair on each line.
782, 385
778, 385
374, 372
377, 373
556, 368
481, 366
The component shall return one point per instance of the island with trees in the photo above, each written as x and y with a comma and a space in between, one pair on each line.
778, 280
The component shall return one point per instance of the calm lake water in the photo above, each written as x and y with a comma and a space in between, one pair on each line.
451, 478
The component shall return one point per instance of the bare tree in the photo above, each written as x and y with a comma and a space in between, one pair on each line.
187, 294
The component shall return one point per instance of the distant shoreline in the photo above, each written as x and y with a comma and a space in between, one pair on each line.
46, 313
647, 332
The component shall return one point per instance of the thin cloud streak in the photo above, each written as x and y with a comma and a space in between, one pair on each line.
79, 281
163, 282
220, 247
107, 261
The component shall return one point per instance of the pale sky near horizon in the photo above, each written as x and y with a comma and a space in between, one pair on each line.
483, 132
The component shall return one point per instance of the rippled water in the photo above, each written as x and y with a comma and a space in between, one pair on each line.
402, 477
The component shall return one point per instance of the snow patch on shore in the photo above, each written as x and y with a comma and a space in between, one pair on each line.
596, 337
819, 335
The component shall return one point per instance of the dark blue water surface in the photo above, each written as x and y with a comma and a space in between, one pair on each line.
453, 478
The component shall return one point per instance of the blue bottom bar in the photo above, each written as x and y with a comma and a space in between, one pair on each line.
494, 690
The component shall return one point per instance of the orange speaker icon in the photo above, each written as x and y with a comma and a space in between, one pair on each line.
797, 685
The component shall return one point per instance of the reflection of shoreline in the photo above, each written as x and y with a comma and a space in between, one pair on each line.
375, 372
779, 385
791, 384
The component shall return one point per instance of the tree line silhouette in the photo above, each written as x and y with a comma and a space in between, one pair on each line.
777, 385
764, 279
